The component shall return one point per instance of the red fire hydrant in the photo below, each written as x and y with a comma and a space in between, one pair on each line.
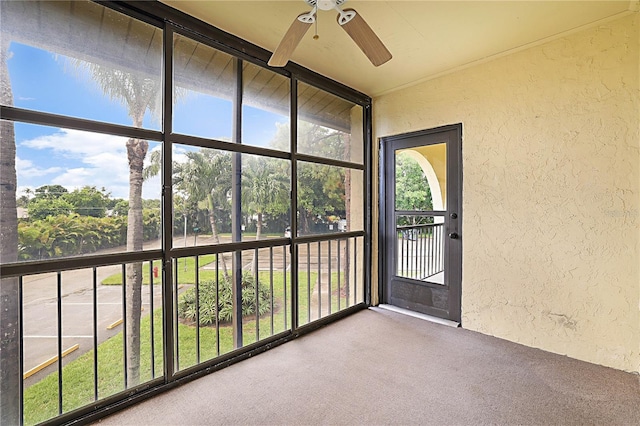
155, 272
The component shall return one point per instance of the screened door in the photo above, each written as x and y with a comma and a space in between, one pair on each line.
422, 222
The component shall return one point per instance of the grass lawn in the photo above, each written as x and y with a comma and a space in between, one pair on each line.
186, 271
41, 399
252, 235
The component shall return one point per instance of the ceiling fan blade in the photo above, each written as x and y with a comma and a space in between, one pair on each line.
289, 42
364, 37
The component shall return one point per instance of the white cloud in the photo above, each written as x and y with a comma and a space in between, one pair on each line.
73, 178
77, 143
101, 161
26, 168
179, 155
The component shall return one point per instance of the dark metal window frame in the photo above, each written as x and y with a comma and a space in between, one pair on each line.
173, 22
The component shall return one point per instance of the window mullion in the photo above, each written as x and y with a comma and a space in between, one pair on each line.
293, 117
167, 207
236, 209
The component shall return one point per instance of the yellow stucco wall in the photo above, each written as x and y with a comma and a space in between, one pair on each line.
551, 189
436, 155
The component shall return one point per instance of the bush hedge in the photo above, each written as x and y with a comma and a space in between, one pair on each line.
209, 305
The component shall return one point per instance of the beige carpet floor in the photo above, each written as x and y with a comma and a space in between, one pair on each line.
381, 367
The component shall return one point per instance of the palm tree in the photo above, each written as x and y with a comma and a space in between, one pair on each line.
10, 375
264, 190
139, 94
206, 176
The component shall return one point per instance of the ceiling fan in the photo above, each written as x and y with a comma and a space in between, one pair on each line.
348, 19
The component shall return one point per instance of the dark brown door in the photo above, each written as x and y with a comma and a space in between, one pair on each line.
421, 250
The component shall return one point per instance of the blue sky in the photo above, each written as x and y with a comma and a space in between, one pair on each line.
44, 81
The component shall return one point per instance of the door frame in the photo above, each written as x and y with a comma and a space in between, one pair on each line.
453, 263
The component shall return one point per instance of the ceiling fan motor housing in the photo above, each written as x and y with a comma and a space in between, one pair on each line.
325, 4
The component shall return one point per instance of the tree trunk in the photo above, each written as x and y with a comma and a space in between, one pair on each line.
214, 234
136, 152
259, 226
304, 222
10, 374
254, 262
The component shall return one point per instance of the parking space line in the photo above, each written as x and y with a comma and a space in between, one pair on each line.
48, 362
115, 324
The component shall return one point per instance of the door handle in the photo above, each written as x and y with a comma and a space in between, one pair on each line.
454, 236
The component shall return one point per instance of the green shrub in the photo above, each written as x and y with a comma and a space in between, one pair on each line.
208, 305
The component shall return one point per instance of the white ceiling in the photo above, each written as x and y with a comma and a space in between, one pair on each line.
426, 38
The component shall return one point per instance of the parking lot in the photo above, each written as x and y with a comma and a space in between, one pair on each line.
40, 304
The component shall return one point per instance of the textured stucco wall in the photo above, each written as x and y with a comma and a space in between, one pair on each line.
551, 189
436, 155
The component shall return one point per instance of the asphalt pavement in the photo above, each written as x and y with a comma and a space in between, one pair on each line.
40, 303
